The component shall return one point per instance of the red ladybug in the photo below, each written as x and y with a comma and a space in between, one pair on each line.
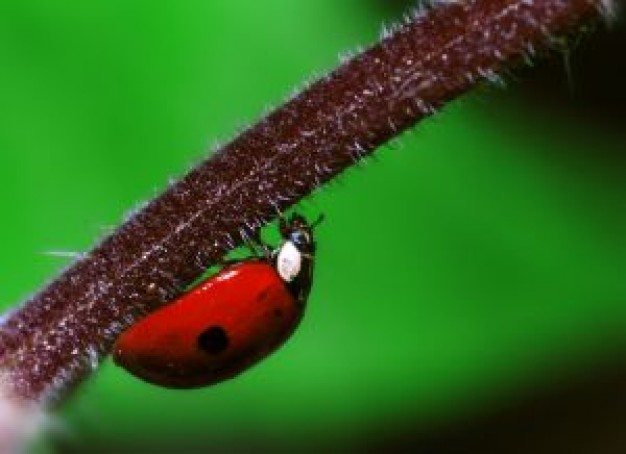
227, 323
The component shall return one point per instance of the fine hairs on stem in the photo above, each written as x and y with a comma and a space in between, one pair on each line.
55, 339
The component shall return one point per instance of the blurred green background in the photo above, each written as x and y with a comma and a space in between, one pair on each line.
478, 260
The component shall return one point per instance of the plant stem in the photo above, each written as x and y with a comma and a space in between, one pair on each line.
56, 338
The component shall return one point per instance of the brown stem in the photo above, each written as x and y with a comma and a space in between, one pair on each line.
58, 336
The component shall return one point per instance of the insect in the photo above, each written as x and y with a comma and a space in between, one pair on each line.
228, 322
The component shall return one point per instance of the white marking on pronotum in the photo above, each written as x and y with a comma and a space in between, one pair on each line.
289, 261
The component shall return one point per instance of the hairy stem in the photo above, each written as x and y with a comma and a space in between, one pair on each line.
56, 338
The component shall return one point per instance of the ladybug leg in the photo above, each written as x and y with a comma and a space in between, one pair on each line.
255, 243
283, 224
318, 221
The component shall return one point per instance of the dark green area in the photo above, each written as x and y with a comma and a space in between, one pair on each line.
483, 253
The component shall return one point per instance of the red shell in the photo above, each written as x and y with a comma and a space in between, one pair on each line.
239, 316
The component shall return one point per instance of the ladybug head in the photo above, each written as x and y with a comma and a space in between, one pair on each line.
298, 231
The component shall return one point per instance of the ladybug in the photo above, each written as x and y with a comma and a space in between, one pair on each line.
228, 322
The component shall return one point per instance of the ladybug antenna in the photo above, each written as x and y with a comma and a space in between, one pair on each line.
296, 221
283, 223
318, 221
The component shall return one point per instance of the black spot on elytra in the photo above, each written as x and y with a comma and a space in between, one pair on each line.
278, 313
213, 340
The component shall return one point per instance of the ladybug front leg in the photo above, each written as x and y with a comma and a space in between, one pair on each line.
256, 243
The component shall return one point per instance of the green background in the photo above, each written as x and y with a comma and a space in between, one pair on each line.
480, 255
